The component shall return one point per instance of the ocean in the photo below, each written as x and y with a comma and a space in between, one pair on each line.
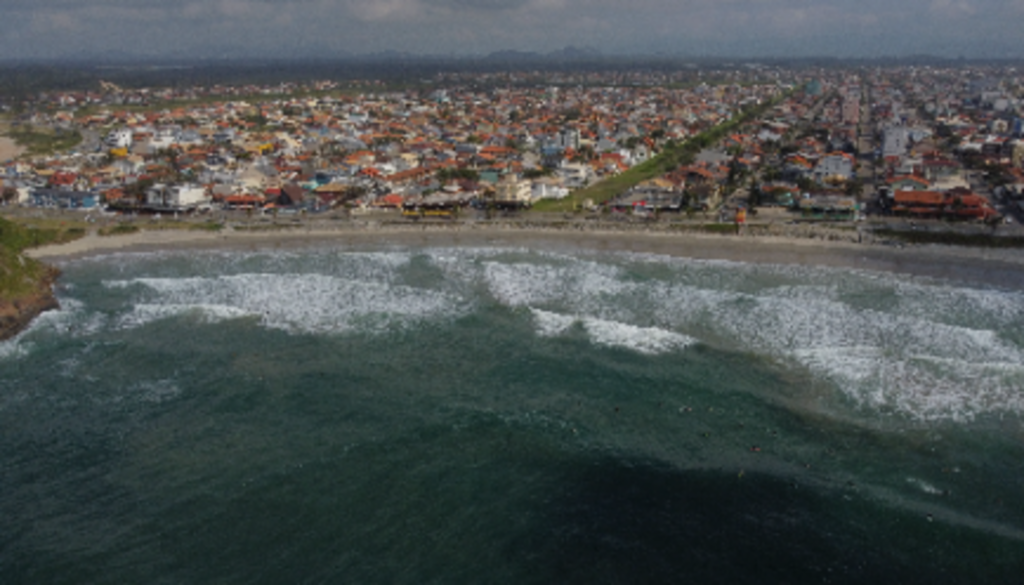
510, 415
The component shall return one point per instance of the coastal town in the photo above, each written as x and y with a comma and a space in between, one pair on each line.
771, 283
921, 144
444, 149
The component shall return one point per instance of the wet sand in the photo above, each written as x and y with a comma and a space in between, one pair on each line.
995, 267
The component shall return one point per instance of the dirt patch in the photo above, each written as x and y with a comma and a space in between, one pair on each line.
9, 149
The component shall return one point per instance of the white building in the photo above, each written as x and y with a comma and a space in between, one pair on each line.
164, 138
895, 141
548, 190
513, 190
834, 166
574, 175
569, 138
119, 138
177, 197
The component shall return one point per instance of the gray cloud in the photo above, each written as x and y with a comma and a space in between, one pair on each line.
39, 28
486, 5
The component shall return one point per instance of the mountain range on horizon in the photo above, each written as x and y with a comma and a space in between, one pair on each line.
566, 55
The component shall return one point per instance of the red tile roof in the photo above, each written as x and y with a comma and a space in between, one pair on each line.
919, 198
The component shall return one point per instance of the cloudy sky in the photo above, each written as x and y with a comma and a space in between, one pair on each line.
300, 28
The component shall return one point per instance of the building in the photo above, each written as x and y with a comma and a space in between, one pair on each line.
550, 189
175, 197
829, 206
56, 198
511, 191
851, 110
908, 183
569, 138
895, 141
837, 167
119, 138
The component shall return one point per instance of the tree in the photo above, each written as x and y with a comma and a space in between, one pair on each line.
537, 173
755, 194
854, 188
258, 120
584, 154
445, 175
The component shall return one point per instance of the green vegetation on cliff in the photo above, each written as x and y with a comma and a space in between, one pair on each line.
20, 276
25, 283
21, 233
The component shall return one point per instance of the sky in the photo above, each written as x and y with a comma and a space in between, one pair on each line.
45, 29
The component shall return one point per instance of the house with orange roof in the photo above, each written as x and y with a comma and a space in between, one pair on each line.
390, 201
244, 202
918, 203
908, 183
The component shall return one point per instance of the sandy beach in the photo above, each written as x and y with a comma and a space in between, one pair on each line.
8, 149
996, 267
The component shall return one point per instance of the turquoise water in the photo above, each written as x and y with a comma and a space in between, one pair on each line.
455, 415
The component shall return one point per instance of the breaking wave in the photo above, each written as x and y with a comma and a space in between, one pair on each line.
648, 340
919, 348
926, 350
306, 303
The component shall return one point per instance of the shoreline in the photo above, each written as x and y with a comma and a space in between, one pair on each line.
17, 313
999, 267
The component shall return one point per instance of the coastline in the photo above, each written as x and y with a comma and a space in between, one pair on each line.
17, 313
996, 267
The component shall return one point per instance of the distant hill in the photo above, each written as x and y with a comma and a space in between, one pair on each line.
570, 53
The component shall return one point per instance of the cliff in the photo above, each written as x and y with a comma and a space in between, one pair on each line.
26, 285
16, 312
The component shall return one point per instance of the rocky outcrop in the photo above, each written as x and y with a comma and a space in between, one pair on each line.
16, 313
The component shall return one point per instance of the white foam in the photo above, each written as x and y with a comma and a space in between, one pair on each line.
924, 486
648, 340
959, 305
551, 324
308, 303
523, 284
71, 319
156, 391
923, 349
144, 313
12, 348
930, 351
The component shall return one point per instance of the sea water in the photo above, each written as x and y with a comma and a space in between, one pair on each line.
505, 415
